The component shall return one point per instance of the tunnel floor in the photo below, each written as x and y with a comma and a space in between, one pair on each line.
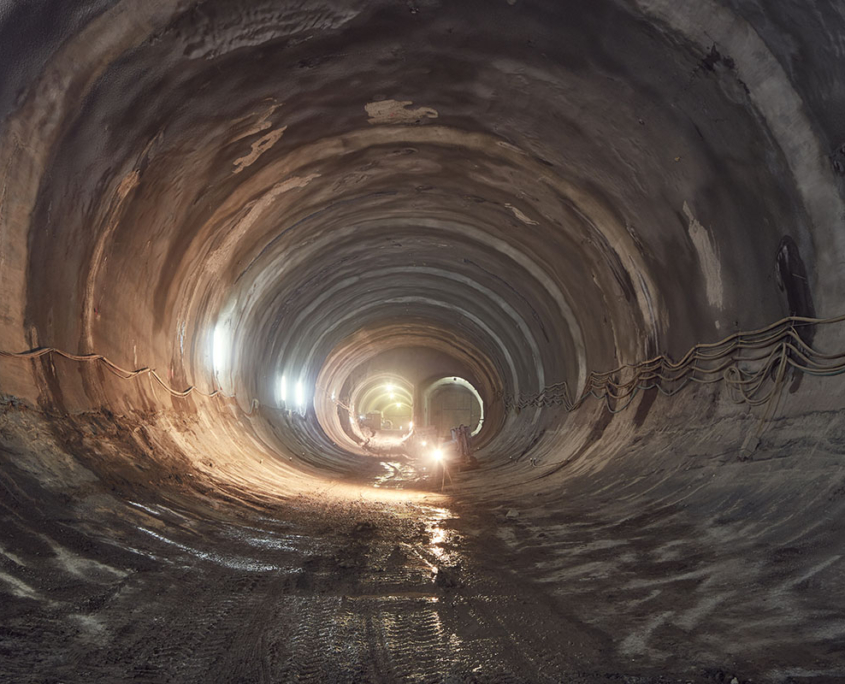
318, 590
376, 600
165, 586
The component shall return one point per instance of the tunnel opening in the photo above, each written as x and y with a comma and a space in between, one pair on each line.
251, 251
451, 402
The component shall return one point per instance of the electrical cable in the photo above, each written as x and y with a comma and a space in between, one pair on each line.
705, 363
786, 349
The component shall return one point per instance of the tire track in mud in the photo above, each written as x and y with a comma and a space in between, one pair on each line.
192, 631
372, 594
314, 642
220, 636
250, 654
533, 654
485, 651
414, 640
18, 640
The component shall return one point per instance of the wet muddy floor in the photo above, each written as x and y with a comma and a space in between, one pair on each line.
318, 591
111, 581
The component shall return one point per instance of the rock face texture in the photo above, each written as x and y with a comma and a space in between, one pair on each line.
280, 203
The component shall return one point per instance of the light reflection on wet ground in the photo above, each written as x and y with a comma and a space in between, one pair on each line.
392, 476
403, 473
412, 474
441, 540
384, 440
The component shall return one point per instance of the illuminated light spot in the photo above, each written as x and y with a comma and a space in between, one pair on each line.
300, 395
220, 349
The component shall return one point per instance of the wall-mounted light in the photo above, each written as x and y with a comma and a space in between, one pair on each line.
220, 348
300, 396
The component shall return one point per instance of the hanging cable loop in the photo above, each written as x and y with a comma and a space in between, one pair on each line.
752, 365
732, 361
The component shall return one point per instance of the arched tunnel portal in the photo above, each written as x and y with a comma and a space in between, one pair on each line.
226, 226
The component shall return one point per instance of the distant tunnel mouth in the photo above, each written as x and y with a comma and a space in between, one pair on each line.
452, 402
379, 384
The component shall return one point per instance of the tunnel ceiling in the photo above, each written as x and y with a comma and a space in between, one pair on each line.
538, 189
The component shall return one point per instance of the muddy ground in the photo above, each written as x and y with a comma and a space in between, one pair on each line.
315, 591
139, 579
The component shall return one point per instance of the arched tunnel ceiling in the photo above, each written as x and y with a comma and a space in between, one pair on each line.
228, 192
300, 193
294, 195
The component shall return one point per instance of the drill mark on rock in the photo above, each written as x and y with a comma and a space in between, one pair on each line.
637, 643
522, 217
219, 256
259, 147
5, 184
396, 112
17, 560
711, 267
511, 148
81, 566
793, 280
259, 126
207, 35
129, 182
815, 570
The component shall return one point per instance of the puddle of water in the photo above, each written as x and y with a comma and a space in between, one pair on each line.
392, 469
397, 474
439, 551
233, 562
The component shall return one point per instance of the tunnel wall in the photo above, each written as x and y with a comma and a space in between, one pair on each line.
564, 205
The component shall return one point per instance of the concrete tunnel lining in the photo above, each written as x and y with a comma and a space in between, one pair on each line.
460, 382
527, 190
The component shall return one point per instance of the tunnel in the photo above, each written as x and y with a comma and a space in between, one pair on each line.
245, 245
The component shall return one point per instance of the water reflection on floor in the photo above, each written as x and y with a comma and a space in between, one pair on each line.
400, 473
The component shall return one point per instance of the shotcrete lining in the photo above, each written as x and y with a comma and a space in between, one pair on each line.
528, 191
546, 229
